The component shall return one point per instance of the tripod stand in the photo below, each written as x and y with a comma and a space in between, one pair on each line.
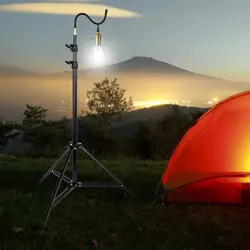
75, 146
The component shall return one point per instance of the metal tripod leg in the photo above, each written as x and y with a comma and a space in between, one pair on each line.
47, 173
62, 195
56, 190
106, 170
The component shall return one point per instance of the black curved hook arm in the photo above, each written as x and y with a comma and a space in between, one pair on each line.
92, 21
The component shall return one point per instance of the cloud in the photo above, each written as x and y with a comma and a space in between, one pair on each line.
68, 9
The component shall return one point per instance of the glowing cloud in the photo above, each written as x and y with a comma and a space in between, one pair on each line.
68, 9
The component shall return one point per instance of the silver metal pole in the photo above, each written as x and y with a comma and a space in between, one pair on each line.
74, 108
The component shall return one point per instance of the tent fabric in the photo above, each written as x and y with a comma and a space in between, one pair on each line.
213, 155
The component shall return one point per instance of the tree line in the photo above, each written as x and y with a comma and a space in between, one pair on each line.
106, 104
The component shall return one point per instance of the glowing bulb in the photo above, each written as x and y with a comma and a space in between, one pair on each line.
99, 56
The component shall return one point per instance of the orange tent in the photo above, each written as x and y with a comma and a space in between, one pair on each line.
211, 164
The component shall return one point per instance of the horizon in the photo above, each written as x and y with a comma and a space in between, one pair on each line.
112, 64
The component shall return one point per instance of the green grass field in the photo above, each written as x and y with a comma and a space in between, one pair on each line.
106, 219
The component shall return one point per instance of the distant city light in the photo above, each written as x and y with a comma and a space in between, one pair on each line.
151, 103
185, 101
154, 103
210, 102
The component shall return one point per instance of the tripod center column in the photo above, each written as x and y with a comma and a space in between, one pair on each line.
74, 108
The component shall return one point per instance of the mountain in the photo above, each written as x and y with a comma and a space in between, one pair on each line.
144, 78
138, 63
155, 79
147, 65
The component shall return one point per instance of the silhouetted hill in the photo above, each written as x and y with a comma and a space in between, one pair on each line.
127, 126
154, 113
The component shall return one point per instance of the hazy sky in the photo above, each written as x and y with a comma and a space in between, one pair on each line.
206, 36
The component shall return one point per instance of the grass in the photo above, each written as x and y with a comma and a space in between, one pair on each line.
105, 219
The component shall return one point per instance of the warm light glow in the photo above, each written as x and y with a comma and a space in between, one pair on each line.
209, 102
91, 56
148, 104
98, 56
212, 102
151, 103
